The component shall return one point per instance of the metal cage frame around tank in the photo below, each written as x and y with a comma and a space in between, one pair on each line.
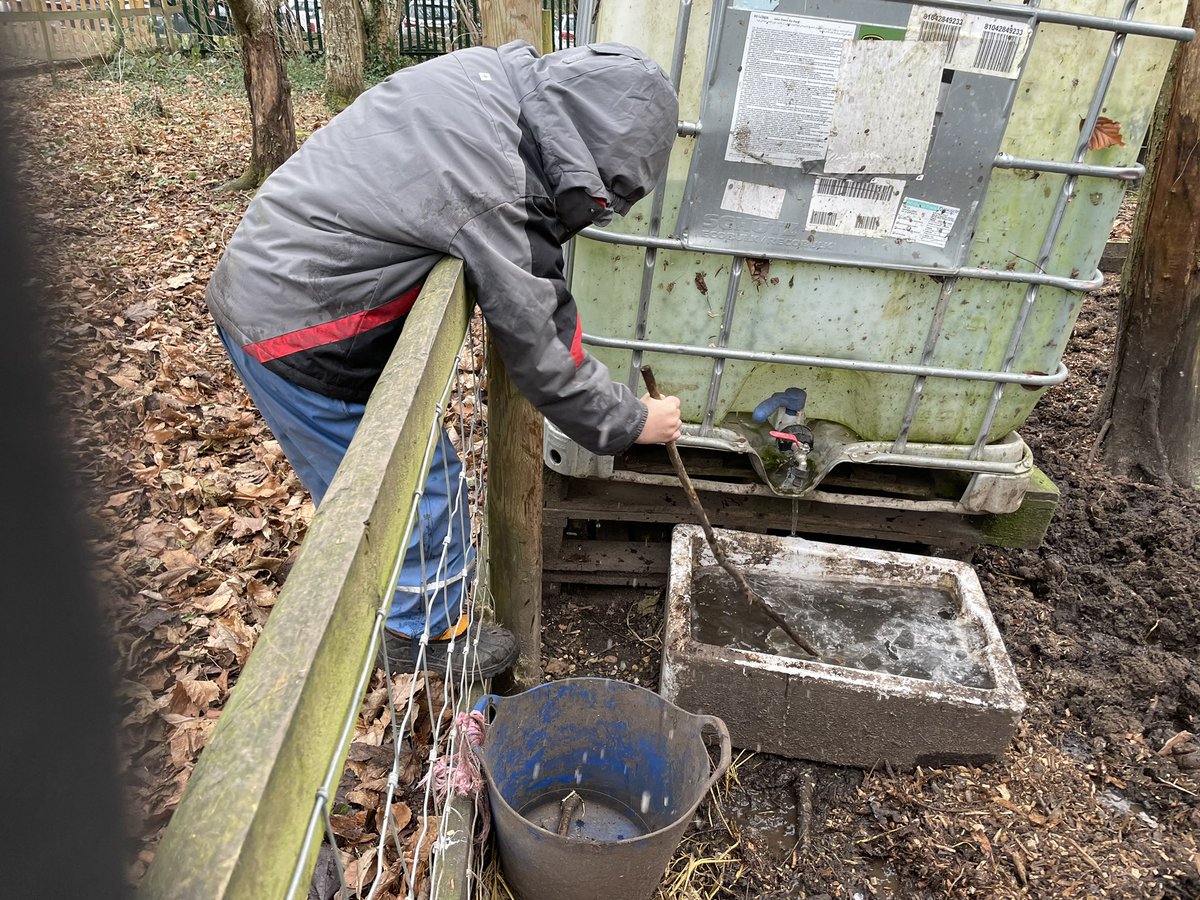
1073, 169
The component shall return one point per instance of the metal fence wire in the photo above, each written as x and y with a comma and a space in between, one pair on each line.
385, 822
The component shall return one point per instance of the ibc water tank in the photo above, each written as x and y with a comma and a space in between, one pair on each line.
894, 207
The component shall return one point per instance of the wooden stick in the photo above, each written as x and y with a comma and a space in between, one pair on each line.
736, 573
802, 791
568, 806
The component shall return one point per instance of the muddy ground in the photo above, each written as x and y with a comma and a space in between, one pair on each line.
1098, 795
196, 512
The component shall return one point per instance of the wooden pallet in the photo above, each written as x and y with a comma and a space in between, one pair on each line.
597, 531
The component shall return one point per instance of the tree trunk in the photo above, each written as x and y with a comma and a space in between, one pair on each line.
514, 505
270, 93
344, 56
383, 31
1151, 407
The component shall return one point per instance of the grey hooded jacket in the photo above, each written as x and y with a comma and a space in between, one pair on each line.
469, 155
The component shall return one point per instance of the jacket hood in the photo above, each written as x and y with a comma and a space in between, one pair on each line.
604, 117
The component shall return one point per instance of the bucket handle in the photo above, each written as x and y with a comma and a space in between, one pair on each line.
726, 753
486, 703
489, 701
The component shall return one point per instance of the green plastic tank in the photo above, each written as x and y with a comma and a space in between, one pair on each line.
869, 303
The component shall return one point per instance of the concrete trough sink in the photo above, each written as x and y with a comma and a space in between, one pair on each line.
914, 672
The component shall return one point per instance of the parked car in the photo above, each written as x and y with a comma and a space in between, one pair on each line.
431, 16
219, 21
431, 26
564, 34
302, 16
179, 25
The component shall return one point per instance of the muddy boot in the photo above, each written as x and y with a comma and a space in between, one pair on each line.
487, 649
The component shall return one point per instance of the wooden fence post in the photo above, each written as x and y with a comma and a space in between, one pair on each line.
514, 501
49, 50
169, 11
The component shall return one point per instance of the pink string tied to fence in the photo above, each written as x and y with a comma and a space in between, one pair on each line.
458, 772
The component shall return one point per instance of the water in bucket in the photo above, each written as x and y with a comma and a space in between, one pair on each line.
592, 783
594, 817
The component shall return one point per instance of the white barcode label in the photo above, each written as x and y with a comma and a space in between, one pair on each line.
941, 27
860, 190
998, 49
847, 206
985, 44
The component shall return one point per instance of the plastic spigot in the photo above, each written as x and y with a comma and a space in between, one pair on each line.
791, 400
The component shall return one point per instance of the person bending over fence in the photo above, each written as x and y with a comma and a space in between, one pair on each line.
493, 156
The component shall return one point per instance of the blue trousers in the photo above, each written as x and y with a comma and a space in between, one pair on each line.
314, 432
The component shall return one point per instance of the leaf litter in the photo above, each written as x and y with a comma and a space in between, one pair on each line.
196, 514
195, 510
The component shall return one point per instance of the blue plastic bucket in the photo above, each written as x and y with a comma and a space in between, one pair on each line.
637, 763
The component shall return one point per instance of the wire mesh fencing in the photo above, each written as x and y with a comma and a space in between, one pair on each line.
385, 815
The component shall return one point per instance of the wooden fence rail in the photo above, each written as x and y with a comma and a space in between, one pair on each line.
240, 828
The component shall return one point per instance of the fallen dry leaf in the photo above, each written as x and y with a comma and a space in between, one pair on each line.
760, 270
1107, 133
216, 601
190, 696
187, 740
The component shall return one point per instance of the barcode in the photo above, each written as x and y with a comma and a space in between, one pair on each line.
997, 52
859, 190
828, 219
868, 223
934, 28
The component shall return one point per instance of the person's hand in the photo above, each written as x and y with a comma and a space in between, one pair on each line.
662, 420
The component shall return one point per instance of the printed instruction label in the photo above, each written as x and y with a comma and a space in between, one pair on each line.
924, 223
988, 45
753, 199
864, 208
785, 95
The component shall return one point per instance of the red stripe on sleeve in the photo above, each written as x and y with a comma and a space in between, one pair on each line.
577, 342
332, 332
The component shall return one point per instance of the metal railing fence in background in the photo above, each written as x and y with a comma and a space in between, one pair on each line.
300, 25
321, 760
210, 22
429, 28
54, 30
562, 23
